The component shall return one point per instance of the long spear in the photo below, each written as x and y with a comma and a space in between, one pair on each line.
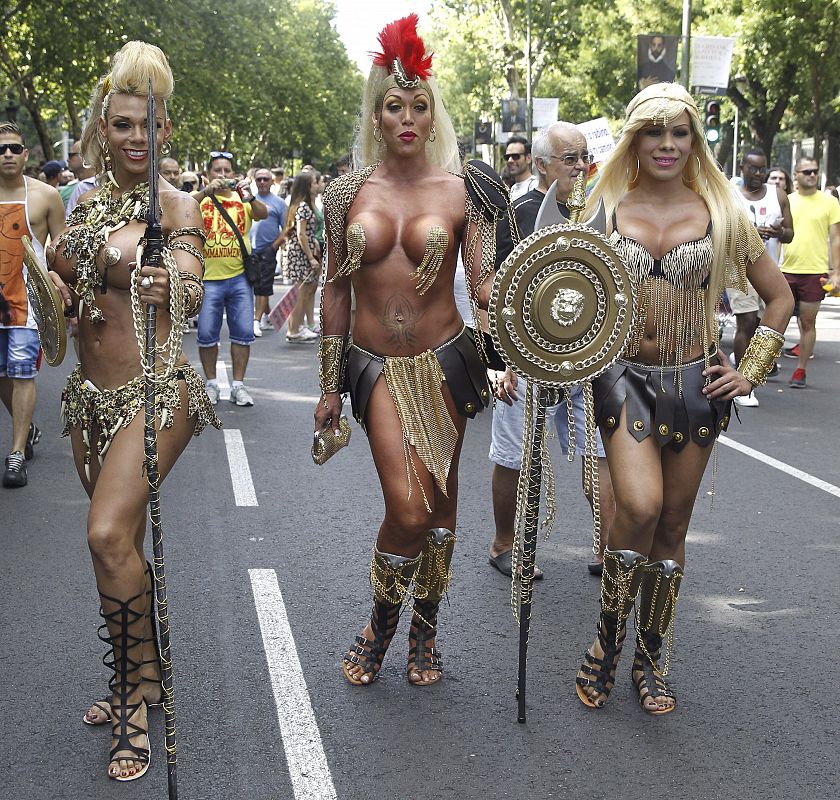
152, 256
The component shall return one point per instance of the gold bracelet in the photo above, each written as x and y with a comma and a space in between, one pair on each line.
762, 352
332, 362
193, 288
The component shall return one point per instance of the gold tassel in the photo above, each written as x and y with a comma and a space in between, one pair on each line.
437, 242
356, 243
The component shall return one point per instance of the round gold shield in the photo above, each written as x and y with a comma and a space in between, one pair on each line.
561, 310
46, 305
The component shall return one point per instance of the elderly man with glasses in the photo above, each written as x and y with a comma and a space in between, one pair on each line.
560, 154
805, 263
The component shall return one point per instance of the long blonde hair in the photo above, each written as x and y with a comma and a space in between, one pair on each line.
442, 152
132, 66
658, 104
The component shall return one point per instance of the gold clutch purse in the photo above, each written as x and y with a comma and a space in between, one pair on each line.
327, 443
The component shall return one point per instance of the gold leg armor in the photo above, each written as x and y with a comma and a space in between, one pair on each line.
620, 583
434, 575
391, 576
655, 614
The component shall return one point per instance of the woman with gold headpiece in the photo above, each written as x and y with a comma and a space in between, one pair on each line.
94, 264
684, 238
413, 371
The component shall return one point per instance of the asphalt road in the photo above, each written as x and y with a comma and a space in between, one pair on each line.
754, 666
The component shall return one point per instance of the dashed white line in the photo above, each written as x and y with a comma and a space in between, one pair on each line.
305, 757
240, 471
780, 465
222, 378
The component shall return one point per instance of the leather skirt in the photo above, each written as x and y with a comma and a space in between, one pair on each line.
664, 402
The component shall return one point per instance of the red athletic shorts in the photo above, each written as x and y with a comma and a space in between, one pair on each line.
805, 288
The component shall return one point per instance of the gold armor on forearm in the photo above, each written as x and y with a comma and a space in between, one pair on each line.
332, 362
762, 352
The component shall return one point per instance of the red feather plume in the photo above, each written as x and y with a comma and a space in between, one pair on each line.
400, 40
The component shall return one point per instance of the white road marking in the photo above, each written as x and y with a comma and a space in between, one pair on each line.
305, 757
780, 465
222, 378
240, 471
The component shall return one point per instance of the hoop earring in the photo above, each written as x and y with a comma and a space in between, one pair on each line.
636, 176
694, 179
166, 148
106, 161
432, 134
377, 130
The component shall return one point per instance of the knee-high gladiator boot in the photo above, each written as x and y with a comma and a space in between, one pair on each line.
431, 582
655, 622
125, 621
150, 645
620, 582
391, 576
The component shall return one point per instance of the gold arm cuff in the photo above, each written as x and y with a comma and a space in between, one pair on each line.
199, 232
193, 289
762, 352
332, 362
187, 247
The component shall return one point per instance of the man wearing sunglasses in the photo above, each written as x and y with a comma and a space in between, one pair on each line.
266, 237
560, 154
34, 209
805, 264
518, 163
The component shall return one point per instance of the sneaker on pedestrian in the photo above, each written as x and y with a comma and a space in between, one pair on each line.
257, 329
797, 380
15, 474
303, 335
32, 438
774, 370
239, 395
316, 329
748, 401
791, 352
265, 323
212, 389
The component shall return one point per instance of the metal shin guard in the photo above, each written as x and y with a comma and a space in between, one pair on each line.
660, 587
434, 575
620, 582
391, 576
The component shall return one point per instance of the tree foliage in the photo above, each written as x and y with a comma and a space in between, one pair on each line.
261, 79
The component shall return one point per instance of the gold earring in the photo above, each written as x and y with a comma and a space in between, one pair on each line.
166, 148
636, 176
377, 130
106, 161
432, 134
697, 175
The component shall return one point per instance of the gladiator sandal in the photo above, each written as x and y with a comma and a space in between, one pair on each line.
655, 622
431, 582
620, 582
104, 705
391, 576
126, 626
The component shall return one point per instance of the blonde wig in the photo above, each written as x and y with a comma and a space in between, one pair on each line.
660, 104
442, 152
132, 66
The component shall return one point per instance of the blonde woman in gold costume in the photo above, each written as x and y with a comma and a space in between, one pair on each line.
660, 408
414, 373
93, 263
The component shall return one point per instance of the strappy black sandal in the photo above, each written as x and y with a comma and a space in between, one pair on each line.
599, 673
423, 657
648, 679
369, 653
104, 705
124, 617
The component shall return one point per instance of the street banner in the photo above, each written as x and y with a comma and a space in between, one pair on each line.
711, 58
599, 140
545, 111
656, 59
280, 313
513, 115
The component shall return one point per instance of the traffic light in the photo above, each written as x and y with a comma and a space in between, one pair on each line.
712, 121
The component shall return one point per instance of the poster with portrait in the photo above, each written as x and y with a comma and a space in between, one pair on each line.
513, 115
656, 59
